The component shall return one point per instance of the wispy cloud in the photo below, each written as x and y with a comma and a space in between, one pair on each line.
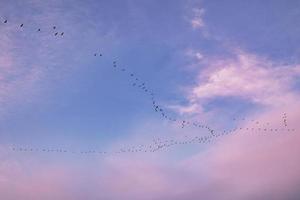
248, 76
238, 166
197, 21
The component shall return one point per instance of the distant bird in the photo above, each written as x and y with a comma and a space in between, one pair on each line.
95, 54
54, 27
100, 54
21, 25
62, 34
39, 30
56, 33
5, 21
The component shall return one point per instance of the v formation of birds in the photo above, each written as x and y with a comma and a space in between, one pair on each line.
159, 143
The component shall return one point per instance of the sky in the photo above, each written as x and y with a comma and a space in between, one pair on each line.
232, 66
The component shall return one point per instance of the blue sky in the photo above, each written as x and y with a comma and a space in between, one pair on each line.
223, 63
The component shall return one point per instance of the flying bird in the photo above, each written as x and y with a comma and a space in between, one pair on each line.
5, 21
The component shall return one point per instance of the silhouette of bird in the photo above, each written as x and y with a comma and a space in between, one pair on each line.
21, 25
62, 34
39, 30
5, 21
56, 33
54, 27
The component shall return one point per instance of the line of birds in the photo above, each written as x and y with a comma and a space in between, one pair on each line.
39, 29
285, 120
138, 83
158, 144
142, 85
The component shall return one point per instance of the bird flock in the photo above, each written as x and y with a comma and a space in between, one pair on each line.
54, 28
284, 120
143, 87
158, 144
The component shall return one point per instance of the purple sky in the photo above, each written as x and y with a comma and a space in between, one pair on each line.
221, 64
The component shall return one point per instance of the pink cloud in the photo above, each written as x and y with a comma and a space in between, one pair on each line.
239, 166
256, 166
247, 76
197, 19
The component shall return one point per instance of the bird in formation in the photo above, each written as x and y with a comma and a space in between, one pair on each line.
158, 109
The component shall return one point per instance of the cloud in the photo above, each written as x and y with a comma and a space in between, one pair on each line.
257, 166
246, 76
192, 108
238, 166
197, 19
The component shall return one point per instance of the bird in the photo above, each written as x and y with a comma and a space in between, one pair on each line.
5, 21
62, 34
21, 25
56, 33
95, 54
54, 27
39, 30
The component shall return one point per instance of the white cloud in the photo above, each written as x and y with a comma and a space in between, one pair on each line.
247, 76
197, 19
